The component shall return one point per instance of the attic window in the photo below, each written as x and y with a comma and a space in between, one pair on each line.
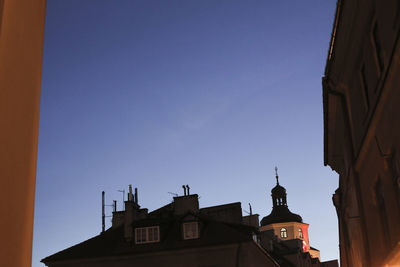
147, 235
190, 230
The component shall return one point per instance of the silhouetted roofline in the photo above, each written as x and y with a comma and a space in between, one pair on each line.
222, 206
333, 35
111, 243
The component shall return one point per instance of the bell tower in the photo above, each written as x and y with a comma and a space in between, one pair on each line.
284, 225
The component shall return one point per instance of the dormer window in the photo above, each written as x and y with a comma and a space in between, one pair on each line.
190, 230
283, 232
147, 235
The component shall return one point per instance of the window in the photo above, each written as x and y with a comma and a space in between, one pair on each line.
283, 233
147, 235
300, 233
190, 230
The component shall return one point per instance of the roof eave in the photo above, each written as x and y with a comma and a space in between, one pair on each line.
333, 36
325, 94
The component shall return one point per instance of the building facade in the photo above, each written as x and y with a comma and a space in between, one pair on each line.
21, 43
362, 129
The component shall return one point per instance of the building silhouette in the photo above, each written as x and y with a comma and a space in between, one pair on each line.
177, 234
361, 99
183, 234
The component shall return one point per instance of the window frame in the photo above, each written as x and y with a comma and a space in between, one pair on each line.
283, 232
144, 239
195, 233
301, 233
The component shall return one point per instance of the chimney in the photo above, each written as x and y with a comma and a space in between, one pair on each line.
115, 206
188, 188
130, 195
118, 219
252, 220
185, 204
132, 212
128, 219
184, 189
129, 215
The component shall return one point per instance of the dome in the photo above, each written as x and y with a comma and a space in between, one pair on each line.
281, 214
280, 211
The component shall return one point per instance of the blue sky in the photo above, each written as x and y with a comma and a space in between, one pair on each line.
157, 94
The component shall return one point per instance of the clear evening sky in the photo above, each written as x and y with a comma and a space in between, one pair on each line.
210, 93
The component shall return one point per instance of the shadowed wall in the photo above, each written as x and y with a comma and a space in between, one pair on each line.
362, 129
21, 42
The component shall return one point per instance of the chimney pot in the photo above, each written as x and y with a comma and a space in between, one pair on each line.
184, 189
130, 195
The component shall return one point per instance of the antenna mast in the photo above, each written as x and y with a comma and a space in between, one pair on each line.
123, 197
103, 214
174, 194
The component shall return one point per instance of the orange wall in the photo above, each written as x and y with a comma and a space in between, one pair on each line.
21, 43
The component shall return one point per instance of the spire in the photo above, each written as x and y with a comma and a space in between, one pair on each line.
276, 175
278, 192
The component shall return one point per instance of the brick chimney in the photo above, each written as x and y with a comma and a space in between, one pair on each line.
186, 203
252, 220
131, 210
132, 213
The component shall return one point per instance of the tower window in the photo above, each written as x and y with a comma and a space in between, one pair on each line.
300, 233
283, 232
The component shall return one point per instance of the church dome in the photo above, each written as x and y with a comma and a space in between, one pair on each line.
279, 215
280, 211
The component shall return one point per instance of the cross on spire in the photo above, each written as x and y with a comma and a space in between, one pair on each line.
276, 175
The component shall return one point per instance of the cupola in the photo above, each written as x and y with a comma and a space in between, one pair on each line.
280, 211
278, 193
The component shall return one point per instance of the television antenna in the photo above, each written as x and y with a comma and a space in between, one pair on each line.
174, 194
